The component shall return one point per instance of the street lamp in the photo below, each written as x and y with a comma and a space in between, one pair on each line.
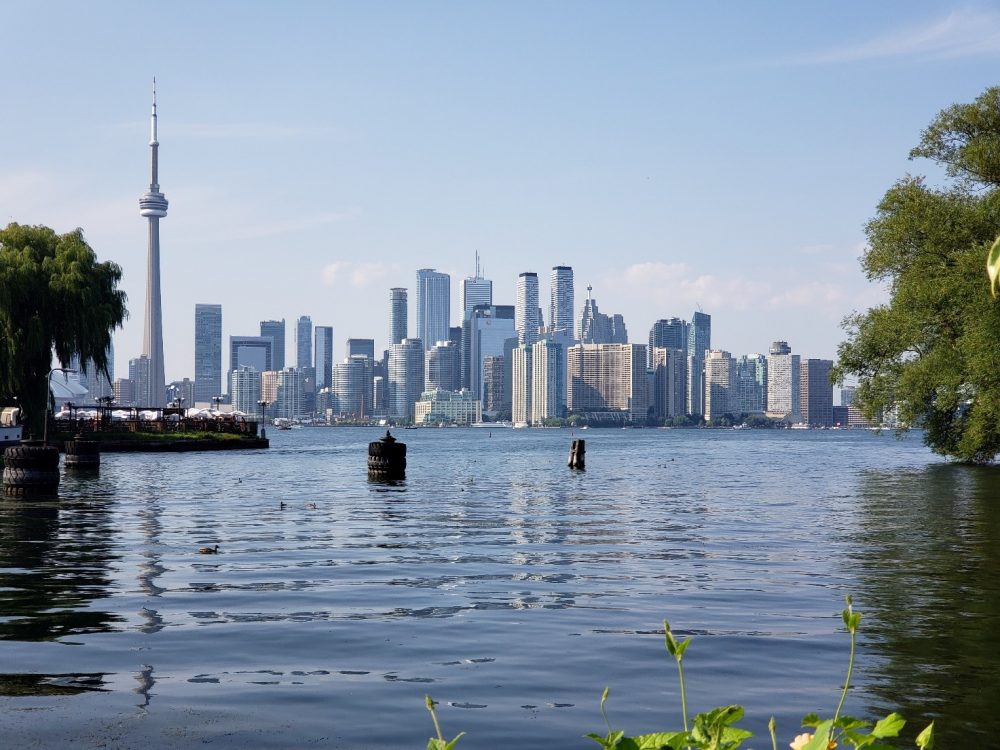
48, 391
217, 400
263, 406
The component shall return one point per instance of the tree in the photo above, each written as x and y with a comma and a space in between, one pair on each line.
932, 354
54, 298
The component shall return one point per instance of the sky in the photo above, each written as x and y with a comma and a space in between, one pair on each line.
679, 156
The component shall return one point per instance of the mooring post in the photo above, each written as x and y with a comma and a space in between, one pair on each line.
386, 458
577, 455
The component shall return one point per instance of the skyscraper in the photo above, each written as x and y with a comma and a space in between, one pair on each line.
207, 352
397, 315
669, 382
699, 341
607, 377
433, 306
324, 356
598, 328
153, 205
364, 347
561, 300
521, 372
442, 369
783, 383
816, 399
670, 334
275, 329
303, 342
751, 383
548, 381
490, 327
253, 351
720, 392
526, 319
406, 377
476, 291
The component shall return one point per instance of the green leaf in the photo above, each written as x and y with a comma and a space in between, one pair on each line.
811, 720
821, 737
674, 648
660, 740
890, 726
993, 266
925, 740
849, 722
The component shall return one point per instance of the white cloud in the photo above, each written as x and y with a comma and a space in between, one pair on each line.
962, 33
358, 275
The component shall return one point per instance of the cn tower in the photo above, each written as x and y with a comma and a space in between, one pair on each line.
153, 205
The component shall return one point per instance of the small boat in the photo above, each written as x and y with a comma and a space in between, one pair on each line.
10, 426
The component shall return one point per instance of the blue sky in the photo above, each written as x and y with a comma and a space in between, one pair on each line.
314, 155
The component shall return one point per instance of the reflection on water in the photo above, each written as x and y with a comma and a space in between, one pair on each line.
928, 562
495, 578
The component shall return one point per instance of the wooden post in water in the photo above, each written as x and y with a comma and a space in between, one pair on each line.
386, 458
83, 454
577, 455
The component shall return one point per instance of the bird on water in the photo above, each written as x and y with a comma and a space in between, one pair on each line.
209, 550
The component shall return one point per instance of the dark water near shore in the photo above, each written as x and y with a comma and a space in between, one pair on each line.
505, 586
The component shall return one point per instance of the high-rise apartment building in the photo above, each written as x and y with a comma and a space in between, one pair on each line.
207, 352
323, 336
816, 392
751, 383
783, 392
433, 306
406, 377
493, 385
561, 300
139, 375
607, 377
245, 389
397, 315
699, 332
548, 381
669, 382
489, 328
721, 397
521, 373
353, 385
303, 342
667, 333
151, 391
442, 370
275, 330
526, 320
288, 400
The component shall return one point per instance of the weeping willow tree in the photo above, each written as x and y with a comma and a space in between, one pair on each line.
932, 353
55, 298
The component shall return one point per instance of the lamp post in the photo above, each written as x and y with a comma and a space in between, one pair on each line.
48, 390
217, 400
263, 406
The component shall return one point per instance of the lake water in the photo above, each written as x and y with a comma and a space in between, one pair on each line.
509, 588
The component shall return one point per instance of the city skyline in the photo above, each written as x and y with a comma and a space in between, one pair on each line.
728, 161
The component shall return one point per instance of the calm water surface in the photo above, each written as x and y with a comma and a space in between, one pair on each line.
502, 584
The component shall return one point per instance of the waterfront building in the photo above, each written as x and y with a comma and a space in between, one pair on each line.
783, 391
352, 387
561, 300
721, 397
397, 315
288, 399
406, 377
607, 377
303, 342
526, 317
667, 333
548, 380
379, 394
207, 352
492, 398
153, 205
433, 306
245, 389
751, 383
362, 347
598, 328
489, 327
275, 329
816, 392
253, 351
699, 332
669, 382
509, 345
269, 389
442, 370
139, 375
323, 337
448, 407
521, 374
847, 395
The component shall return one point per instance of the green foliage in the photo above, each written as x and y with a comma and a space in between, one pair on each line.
54, 298
930, 355
439, 742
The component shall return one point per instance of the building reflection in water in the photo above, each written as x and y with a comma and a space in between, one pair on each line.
55, 569
928, 561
